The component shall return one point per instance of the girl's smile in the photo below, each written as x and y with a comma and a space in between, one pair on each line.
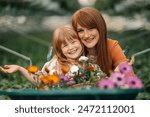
72, 51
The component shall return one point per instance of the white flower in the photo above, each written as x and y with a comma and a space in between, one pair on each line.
83, 58
74, 69
98, 74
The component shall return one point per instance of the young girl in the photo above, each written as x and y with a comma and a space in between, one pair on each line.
67, 48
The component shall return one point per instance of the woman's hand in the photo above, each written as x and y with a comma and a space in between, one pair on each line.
131, 61
10, 69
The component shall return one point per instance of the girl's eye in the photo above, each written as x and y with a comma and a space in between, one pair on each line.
73, 41
63, 46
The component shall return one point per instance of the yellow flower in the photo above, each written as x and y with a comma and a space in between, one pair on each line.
54, 79
32, 69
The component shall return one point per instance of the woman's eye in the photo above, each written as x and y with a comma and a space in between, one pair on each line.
80, 30
91, 28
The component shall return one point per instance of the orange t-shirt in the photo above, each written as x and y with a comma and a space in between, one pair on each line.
117, 54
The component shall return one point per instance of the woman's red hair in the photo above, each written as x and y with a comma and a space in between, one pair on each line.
92, 18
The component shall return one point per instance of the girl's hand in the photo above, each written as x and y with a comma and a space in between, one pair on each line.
10, 69
1, 68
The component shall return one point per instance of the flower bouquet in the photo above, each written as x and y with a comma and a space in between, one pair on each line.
86, 76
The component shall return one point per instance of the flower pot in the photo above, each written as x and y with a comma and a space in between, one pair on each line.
73, 94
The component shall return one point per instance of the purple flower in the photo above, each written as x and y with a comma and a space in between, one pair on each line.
125, 68
134, 82
64, 78
106, 84
118, 78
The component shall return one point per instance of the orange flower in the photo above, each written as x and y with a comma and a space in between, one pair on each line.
65, 69
91, 68
32, 69
45, 80
54, 79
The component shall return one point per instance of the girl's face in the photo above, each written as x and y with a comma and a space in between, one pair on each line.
72, 49
88, 36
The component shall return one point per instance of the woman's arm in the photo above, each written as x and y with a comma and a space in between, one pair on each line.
9, 69
116, 52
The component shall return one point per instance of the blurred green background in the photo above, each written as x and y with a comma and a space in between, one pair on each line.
26, 26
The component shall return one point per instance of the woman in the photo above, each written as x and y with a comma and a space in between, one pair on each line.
91, 29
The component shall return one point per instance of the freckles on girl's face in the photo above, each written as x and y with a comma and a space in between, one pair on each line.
88, 36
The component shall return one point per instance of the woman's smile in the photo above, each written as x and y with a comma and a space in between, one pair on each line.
89, 39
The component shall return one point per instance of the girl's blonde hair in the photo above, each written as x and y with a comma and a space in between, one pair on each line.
92, 18
60, 36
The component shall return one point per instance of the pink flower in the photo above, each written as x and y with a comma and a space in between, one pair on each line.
106, 84
118, 78
71, 82
125, 68
64, 78
134, 82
